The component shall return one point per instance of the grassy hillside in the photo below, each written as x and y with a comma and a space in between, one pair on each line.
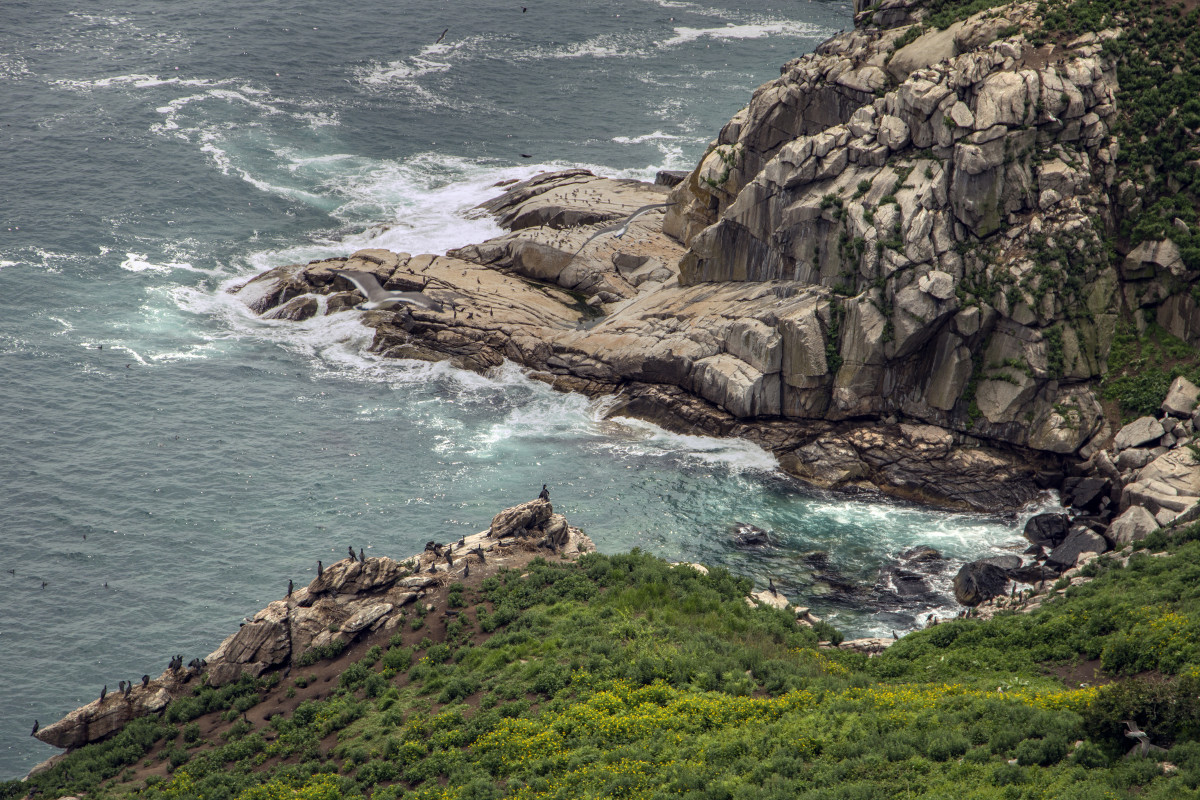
620, 676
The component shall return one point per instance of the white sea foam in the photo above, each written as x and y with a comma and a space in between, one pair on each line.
646, 137
6, 263
138, 81
138, 262
788, 28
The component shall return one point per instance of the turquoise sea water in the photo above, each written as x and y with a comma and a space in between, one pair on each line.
170, 461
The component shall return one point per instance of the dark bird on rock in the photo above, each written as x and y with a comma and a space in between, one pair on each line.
128, 689
479, 552
103, 692
771, 586
462, 542
362, 558
35, 728
466, 569
290, 587
449, 559
350, 550
894, 636
544, 494
379, 298
320, 569
121, 686
145, 681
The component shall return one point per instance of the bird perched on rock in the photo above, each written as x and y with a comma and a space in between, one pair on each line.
479, 552
121, 687
449, 559
545, 493
290, 587
145, 681
462, 542
362, 558
353, 557
320, 569
35, 728
128, 689
466, 569
103, 692
771, 586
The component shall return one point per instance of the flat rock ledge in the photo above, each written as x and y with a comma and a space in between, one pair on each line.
348, 600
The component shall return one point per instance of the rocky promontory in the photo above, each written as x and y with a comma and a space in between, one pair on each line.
903, 265
347, 602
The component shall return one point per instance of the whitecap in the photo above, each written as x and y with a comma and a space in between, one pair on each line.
685, 35
138, 262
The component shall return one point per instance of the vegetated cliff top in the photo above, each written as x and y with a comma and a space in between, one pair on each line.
627, 676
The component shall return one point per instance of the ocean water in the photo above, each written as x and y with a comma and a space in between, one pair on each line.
170, 461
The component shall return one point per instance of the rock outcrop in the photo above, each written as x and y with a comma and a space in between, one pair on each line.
347, 601
891, 268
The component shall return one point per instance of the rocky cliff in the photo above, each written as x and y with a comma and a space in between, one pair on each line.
900, 265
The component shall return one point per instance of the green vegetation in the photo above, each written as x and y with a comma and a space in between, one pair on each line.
1141, 368
622, 676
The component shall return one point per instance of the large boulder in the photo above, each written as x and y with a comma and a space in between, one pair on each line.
1132, 526
1079, 541
520, 520
1047, 530
1182, 398
978, 582
1139, 432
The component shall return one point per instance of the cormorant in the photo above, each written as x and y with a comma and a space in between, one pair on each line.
35, 728
545, 494
361, 556
352, 556
121, 687
103, 692
145, 681
290, 587
466, 569
771, 586
128, 689
320, 569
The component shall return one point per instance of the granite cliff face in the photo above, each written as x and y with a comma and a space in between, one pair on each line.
893, 268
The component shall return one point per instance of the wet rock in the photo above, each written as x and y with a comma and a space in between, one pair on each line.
1047, 530
747, 535
979, 581
297, 309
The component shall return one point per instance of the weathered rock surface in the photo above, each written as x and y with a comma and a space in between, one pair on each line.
1135, 524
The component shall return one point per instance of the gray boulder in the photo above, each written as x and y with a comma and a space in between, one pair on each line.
1132, 526
1047, 530
1140, 432
1079, 541
1181, 399
978, 582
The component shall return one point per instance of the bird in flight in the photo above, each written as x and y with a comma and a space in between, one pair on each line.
619, 229
379, 298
